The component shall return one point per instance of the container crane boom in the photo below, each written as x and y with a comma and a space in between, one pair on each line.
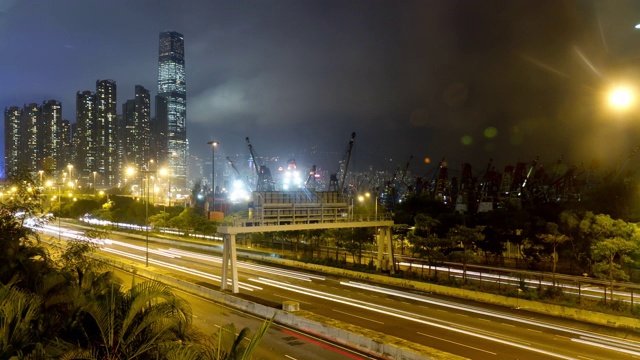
265, 182
238, 176
346, 166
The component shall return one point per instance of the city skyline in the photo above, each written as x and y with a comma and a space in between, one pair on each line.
459, 81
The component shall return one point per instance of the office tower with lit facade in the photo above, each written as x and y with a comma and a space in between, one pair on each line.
29, 120
136, 118
172, 88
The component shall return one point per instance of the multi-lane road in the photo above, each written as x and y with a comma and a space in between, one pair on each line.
470, 330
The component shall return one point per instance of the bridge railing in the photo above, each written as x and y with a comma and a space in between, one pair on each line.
307, 220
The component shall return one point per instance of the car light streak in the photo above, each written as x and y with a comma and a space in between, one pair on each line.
183, 269
608, 347
143, 248
533, 284
392, 312
244, 265
594, 337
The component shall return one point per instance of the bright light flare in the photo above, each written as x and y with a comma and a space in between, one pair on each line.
621, 98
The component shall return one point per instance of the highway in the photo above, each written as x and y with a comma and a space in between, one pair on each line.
208, 316
470, 330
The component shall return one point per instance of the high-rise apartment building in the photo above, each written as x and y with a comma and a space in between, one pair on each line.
95, 138
84, 136
49, 136
67, 155
32, 138
136, 144
106, 139
29, 119
172, 88
12, 137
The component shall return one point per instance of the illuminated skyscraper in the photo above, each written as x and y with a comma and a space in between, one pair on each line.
49, 136
11, 139
107, 134
173, 89
84, 136
137, 131
30, 119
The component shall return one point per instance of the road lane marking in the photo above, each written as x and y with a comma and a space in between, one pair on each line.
603, 346
538, 331
288, 298
396, 313
359, 317
326, 346
290, 357
457, 343
508, 325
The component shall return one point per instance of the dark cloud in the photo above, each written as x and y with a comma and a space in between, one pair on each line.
422, 78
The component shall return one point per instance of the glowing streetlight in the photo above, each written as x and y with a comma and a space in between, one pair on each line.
621, 98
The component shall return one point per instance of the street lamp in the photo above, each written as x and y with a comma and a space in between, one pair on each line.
621, 98
213, 173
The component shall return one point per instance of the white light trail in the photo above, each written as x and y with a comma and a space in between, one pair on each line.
394, 312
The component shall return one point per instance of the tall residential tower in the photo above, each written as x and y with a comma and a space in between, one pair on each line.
172, 89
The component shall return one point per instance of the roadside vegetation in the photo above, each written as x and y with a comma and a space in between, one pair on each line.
56, 302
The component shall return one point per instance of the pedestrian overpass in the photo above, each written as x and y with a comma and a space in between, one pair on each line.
229, 232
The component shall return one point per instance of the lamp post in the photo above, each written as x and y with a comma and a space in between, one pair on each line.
94, 181
213, 173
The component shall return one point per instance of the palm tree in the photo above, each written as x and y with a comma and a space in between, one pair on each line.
146, 321
19, 314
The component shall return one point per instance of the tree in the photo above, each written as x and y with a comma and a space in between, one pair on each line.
146, 321
19, 312
467, 238
610, 253
400, 233
160, 220
553, 238
431, 248
187, 221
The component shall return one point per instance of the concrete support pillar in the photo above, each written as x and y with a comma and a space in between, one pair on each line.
389, 242
225, 261
380, 242
384, 241
234, 263
229, 256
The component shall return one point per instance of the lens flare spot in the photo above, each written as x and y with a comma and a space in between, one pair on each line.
466, 140
490, 132
427, 160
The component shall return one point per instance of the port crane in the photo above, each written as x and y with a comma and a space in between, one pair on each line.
238, 176
265, 181
333, 179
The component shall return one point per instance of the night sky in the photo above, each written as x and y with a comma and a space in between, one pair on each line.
461, 80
